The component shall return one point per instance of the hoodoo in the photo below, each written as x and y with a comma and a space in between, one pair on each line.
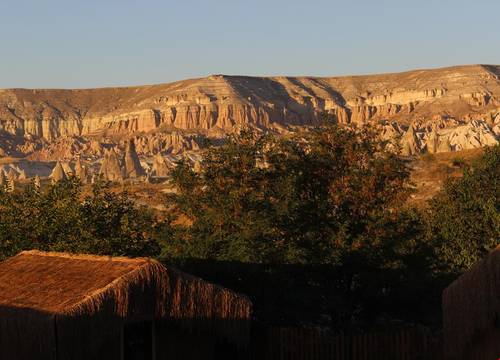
133, 168
58, 174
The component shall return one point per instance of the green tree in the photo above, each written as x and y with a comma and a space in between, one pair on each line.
60, 218
313, 198
463, 220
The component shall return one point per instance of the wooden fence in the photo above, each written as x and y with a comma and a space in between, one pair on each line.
307, 344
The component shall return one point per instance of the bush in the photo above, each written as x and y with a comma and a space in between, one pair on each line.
458, 162
59, 218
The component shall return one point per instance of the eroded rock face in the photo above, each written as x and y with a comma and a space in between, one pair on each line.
471, 135
229, 102
460, 136
427, 110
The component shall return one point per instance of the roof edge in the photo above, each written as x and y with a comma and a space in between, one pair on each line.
139, 260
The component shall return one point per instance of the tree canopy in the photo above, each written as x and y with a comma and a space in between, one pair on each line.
463, 220
311, 198
59, 218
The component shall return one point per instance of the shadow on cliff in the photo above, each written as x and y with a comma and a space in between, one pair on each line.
290, 109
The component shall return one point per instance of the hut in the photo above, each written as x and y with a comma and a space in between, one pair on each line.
471, 312
60, 306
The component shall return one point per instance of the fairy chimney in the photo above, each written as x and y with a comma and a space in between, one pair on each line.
160, 166
132, 165
81, 171
110, 167
58, 173
409, 142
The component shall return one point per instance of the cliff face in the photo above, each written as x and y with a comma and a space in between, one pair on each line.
220, 104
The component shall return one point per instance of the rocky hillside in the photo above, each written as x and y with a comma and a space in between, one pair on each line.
435, 110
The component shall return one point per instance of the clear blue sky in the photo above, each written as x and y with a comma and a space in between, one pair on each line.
90, 43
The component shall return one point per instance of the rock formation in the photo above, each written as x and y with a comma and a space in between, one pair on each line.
111, 169
444, 145
472, 135
132, 164
197, 166
58, 174
160, 166
432, 142
81, 172
456, 107
228, 102
12, 174
409, 142
22, 175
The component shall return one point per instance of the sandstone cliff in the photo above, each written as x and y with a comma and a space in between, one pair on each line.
229, 102
435, 110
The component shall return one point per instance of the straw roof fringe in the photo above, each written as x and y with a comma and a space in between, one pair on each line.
471, 305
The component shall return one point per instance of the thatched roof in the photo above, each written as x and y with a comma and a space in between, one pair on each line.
471, 305
73, 285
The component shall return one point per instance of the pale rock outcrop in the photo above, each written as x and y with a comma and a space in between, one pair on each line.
81, 171
472, 135
432, 142
142, 120
58, 173
160, 166
197, 166
410, 142
67, 168
389, 132
496, 125
111, 169
22, 175
444, 145
12, 174
227, 102
95, 148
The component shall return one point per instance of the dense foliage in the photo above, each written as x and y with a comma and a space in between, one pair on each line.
463, 220
60, 218
314, 198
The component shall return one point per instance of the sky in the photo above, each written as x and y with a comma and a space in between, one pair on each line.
95, 43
